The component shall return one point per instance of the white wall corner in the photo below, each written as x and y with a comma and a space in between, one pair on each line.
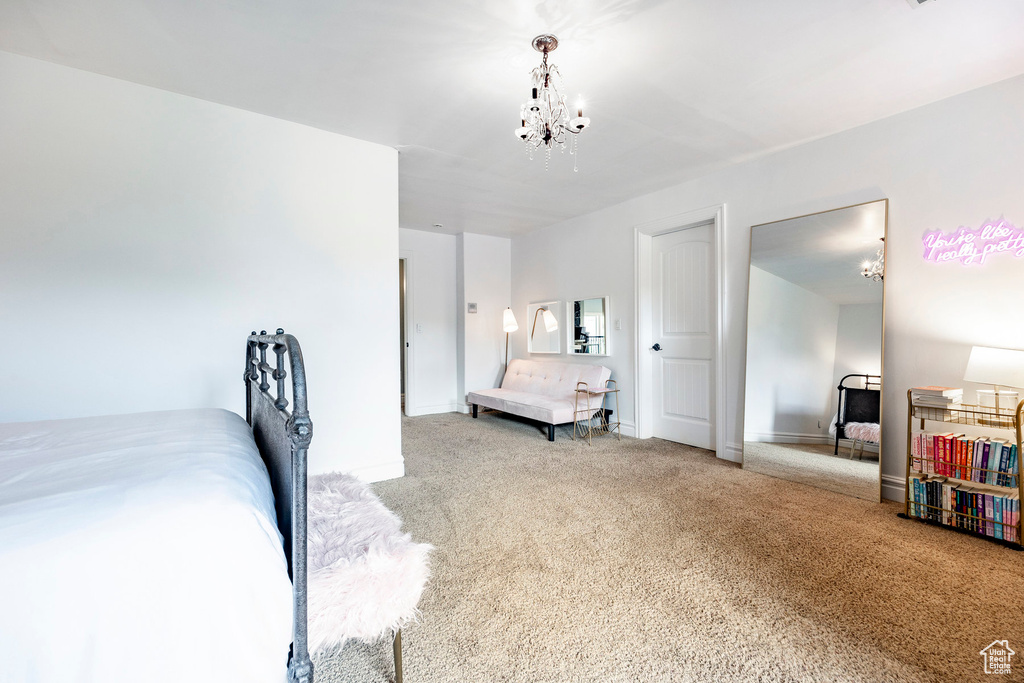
435, 409
732, 452
893, 488
382, 472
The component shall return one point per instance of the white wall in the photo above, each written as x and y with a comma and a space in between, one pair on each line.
791, 358
859, 343
484, 265
580, 259
431, 321
951, 163
146, 233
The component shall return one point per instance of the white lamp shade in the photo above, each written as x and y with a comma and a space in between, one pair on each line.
1002, 367
550, 324
508, 321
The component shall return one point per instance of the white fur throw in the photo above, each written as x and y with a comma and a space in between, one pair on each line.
365, 575
863, 431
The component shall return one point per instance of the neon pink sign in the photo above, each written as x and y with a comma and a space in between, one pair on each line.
974, 245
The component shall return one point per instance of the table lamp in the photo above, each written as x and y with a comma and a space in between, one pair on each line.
1000, 368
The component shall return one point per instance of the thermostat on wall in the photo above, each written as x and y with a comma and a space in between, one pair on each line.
471, 308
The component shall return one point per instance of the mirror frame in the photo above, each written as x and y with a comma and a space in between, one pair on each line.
531, 313
885, 255
570, 335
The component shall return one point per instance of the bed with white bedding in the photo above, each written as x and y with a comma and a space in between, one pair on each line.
146, 547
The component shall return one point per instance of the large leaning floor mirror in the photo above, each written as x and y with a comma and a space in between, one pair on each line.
812, 410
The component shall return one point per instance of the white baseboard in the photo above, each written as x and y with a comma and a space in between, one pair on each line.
793, 437
787, 437
416, 411
893, 488
732, 452
627, 428
463, 408
389, 470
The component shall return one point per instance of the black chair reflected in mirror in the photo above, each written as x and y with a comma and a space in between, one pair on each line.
858, 404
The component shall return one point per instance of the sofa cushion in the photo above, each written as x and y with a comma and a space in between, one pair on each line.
556, 380
534, 406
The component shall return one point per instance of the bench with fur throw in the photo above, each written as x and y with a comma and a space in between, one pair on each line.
365, 575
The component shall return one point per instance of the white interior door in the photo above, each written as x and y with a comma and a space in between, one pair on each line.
683, 334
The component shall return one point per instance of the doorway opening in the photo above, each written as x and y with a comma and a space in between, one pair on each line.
403, 342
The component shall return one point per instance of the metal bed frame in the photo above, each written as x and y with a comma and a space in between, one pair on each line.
283, 440
857, 405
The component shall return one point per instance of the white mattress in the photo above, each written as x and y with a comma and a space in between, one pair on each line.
140, 548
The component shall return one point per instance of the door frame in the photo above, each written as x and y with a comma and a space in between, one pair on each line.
643, 368
410, 350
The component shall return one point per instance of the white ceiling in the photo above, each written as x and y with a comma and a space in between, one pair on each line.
824, 252
675, 89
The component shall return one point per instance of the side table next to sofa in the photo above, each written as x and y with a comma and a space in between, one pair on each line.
583, 417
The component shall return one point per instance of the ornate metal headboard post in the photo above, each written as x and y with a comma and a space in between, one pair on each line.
283, 439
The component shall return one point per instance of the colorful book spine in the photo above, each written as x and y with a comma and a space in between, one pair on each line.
978, 452
990, 513
929, 444
997, 516
963, 472
1013, 469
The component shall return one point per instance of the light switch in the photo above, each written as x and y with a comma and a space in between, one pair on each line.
618, 324
471, 308
419, 328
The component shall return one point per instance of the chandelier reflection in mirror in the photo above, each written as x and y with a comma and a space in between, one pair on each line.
545, 116
875, 270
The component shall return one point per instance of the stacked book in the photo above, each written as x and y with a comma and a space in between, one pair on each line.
984, 460
965, 506
937, 397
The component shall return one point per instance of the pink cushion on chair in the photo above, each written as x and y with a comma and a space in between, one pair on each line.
863, 431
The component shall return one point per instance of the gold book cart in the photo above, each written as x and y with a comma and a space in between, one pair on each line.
950, 487
593, 399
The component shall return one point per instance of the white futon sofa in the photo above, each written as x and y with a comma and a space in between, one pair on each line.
543, 391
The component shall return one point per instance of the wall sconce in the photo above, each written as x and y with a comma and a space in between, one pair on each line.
550, 324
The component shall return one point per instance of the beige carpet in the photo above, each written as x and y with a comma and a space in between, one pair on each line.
815, 465
649, 561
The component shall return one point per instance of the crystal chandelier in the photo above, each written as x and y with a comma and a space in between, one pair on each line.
545, 116
875, 270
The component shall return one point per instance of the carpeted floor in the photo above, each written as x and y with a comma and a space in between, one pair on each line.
814, 465
643, 560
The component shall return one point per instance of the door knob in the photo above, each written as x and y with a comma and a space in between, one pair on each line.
656, 347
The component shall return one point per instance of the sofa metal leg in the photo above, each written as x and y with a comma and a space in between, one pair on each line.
551, 432
474, 410
398, 656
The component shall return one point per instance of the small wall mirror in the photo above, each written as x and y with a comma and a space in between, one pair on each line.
588, 332
544, 325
